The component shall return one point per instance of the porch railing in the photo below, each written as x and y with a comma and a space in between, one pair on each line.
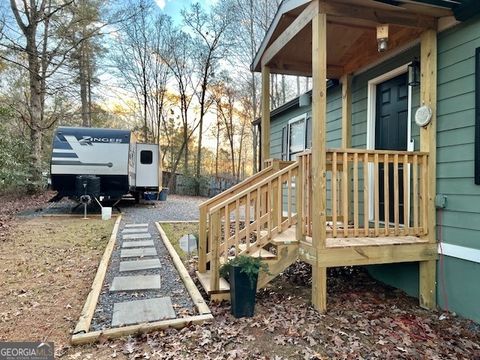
246, 221
370, 193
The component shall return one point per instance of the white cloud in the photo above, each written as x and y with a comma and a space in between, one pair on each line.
161, 4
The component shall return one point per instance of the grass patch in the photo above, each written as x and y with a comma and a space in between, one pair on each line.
175, 231
47, 269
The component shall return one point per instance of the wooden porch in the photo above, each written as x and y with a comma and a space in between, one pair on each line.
333, 207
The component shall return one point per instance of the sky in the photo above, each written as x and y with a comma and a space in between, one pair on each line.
174, 7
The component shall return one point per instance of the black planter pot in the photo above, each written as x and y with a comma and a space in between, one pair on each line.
242, 293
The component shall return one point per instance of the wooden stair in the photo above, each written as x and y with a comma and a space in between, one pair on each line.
286, 254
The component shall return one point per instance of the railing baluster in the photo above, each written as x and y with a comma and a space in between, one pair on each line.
259, 213
334, 194
289, 197
424, 194
355, 194
237, 226
269, 209
406, 195
415, 191
227, 231
365, 196
386, 193
247, 220
280, 204
202, 241
396, 202
376, 179
215, 228
345, 193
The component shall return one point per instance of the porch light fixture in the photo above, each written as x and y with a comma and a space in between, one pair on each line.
414, 73
382, 38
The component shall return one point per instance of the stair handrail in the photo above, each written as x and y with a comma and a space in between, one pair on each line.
270, 165
269, 218
253, 187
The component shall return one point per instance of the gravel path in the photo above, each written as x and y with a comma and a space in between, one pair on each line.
176, 208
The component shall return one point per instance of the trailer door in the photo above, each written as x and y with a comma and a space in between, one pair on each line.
147, 166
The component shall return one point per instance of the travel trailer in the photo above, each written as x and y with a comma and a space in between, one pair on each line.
103, 163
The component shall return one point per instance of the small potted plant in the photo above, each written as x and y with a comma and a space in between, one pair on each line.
242, 273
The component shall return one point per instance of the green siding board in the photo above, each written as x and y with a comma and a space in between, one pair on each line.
456, 104
462, 68
464, 203
457, 87
459, 277
456, 136
461, 237
455, 153
461, 186
457, 120
460, 219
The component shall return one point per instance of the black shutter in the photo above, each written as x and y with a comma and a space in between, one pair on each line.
477, 116
308, 133
285, 143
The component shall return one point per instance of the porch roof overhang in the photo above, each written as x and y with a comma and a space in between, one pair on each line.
351, 31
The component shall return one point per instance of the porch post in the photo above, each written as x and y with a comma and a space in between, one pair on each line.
319, 107
428, 96
265, 143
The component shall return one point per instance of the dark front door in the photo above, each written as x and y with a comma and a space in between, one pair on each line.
391, 124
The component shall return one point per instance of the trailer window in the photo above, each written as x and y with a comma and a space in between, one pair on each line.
146, 157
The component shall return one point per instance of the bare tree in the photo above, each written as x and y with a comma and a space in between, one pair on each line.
208, 30
36, 40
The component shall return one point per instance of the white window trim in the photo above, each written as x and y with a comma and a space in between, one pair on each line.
371, 117
291, 121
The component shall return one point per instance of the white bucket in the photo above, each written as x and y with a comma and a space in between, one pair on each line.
106, 213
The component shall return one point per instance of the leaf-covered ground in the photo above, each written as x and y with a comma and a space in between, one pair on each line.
365, 320
46, 273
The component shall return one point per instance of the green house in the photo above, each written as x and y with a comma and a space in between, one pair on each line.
378, 165
457, 146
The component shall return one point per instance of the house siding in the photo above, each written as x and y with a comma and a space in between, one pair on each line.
460, 220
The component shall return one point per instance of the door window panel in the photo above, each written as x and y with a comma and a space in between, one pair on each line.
146, 157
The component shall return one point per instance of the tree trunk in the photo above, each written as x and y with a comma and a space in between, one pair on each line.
36, 111
83, 75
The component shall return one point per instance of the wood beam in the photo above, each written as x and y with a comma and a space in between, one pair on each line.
265, 115
370, 255
428, 143
319, 113
380, 16
295, 27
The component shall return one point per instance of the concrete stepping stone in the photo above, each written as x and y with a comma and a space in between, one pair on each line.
137, 265
140, 252
136, 236
142, 311
138, 243
139, 282
135, 225
134, 231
